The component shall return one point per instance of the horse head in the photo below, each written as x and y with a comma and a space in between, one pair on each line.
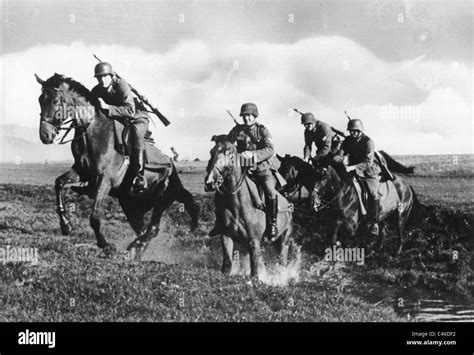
223, 156
323, 186
288, 168
59, 95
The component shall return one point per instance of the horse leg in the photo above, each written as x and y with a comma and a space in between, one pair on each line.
227, 249
97, 212
282, 247
256, 260
134, 213
185, 197
190, 205
336, 226
135, 216
138, 247
70, 176
402, 221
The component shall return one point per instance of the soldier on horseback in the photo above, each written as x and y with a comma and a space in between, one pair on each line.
115, 98
360, 150
255, 145
320, 134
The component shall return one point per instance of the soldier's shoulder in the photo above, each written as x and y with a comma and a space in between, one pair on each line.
262, 128
325, 126
369, 141
121, 84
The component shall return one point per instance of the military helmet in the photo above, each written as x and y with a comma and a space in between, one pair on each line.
355, 124
249, 108
103, 69
307, 117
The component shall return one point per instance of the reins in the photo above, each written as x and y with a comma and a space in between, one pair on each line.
223, 190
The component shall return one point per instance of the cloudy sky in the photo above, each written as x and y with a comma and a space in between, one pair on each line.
404, 67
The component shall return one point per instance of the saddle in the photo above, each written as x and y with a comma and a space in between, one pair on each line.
155, 159
258, 197
388, 193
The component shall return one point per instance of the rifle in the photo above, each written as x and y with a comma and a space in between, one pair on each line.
235, 120
333, 129
154, 110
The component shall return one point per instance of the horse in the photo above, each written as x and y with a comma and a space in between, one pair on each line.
236, 213
332, 187
97, 161
298, 173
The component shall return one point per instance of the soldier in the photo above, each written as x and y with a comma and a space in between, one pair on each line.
360, 150
254, 144
115, 97
320, 134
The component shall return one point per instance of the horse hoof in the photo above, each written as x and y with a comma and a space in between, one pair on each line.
136, 249
66, 228
109, 250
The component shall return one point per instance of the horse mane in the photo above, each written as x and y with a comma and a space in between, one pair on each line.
57, 79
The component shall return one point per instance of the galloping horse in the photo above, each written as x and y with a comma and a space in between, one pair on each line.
332, 187
236, 213
95, 159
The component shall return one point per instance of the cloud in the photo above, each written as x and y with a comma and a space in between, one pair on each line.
194, 83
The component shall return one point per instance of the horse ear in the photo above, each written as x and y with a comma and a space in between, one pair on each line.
214, 138
39, 80
280, 158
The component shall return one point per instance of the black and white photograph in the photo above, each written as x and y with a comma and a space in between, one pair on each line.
249, 161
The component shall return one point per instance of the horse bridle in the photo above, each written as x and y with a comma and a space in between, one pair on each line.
220, 188
320, 204
61, 126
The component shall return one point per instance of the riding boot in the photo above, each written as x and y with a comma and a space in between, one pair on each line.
139, 183
373, 216
271, 214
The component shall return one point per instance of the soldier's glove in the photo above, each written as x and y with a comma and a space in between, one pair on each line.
103, 105
247, 154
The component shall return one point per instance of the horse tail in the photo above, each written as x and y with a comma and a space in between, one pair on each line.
417, 210
185, 197
395, 166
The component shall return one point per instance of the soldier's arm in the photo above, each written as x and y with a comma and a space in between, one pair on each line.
266, 151
127, 108
326, 141
368, 159
307, 145
339, 156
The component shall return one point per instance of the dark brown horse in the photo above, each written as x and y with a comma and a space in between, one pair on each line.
335, 190
96, 160
236, 213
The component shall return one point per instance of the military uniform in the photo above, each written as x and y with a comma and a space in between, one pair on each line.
361, 156
321, 135
257, 139
361, 152
122, 105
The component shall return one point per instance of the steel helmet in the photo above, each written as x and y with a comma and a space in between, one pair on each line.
103, 69
355, 124
307, 117
249, 108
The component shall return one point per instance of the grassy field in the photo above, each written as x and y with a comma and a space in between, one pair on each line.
179, 278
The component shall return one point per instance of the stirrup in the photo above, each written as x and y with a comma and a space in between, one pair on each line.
139, 184
374, 229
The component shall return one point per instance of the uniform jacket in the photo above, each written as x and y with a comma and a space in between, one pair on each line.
361, 155
119, 98
321, 136
256, 138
